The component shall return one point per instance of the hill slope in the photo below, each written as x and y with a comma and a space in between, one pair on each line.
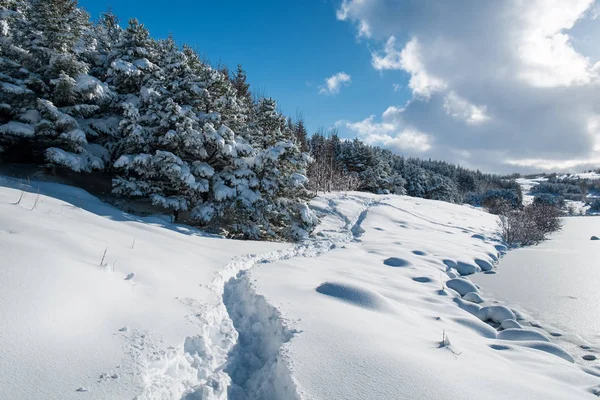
361, 310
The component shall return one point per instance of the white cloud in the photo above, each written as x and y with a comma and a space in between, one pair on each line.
334, 83
390, 132
461, 109
514, 84
409, 59
396, 86
345, 12
555, 165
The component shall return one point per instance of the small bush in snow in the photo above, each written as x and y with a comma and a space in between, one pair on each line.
530, 225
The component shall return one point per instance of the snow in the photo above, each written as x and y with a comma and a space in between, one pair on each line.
62, 311
76, 162
510, 324
125, 68
495, 313
222, 191
554, 282
14, 89
462, 286
373, 330
75, 135
473, 297
91, 88
17, 129
31, 116
4, 29
143, 63
358, 311
521, 334
581, 175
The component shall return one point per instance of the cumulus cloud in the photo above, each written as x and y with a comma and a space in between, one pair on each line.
408, 59
334, 83
390, 132
501, 85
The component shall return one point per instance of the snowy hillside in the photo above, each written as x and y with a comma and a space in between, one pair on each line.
99, 304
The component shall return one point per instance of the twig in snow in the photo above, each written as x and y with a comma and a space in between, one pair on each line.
103, 256
37, 199
133, 244
445, 344
20, 197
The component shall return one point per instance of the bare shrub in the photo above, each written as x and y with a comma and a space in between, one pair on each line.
530, 225
497, 205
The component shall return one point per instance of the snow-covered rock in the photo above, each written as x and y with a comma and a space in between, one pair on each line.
495, 313
462, 286
473, 297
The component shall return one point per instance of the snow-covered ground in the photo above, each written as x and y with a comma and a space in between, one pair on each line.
581, 175
576, 207
368, 308
526, 185
556, 283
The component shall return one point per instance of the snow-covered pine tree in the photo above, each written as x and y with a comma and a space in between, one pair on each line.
50, 72
280, 168
104, 35
243, 96
18, 113
132, 60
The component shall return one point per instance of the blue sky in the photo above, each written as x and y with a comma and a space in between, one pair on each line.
288, 49
502, 86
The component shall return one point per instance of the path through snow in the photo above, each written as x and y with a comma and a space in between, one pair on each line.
238, 353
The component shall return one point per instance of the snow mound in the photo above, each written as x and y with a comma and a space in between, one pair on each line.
495, 313
510, 324
462, 286
484, 265
473, 297
469, 307
521, 334
477, 326
451, 274
463, 268
353, 295
550, 348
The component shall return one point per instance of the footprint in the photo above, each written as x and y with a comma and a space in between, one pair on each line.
419, 253
422, 279
499, 347
396, 262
